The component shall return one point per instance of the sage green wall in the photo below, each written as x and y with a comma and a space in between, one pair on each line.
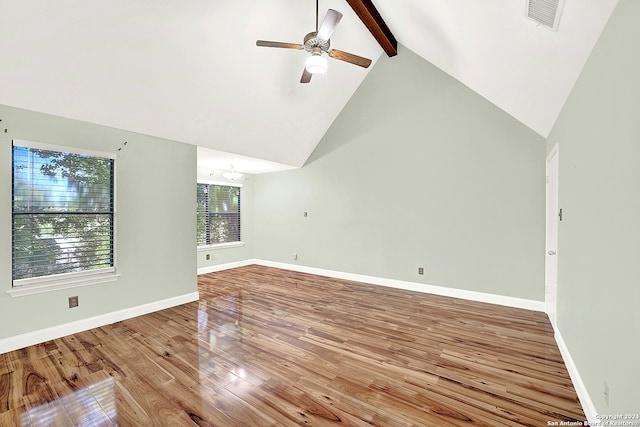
416, 171
598, 135
155, 222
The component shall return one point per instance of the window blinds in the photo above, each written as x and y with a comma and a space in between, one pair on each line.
62, 212
218, 214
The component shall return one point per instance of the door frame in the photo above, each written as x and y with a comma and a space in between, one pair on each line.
552, 223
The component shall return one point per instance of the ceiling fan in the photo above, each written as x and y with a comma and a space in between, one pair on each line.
317, 42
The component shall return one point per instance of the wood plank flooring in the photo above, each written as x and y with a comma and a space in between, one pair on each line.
269, 347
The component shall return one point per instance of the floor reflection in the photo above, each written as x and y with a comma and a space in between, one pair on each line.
94, 405
220, 321
220, 333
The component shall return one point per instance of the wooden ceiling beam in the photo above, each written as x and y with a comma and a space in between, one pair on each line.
371, 18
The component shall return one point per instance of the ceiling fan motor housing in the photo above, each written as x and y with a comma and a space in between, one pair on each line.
311, 42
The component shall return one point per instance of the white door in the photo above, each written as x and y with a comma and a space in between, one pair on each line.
553, 218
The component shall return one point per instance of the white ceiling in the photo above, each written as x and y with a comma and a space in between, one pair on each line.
212, 164
189, 70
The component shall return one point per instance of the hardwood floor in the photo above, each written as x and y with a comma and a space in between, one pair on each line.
269, 347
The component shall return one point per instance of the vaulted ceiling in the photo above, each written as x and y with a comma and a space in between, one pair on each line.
189, 70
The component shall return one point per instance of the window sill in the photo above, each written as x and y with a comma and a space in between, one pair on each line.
26, 287
220, 246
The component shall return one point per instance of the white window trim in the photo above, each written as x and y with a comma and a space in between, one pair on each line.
56, 282
223, 183
63, 148
220, 246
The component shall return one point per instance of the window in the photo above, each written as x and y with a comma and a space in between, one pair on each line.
218, 214
62, 212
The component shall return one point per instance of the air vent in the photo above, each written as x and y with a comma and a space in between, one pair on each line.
545, 12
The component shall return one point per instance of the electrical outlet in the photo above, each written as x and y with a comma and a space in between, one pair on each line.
420, 270
73, 302
606, 393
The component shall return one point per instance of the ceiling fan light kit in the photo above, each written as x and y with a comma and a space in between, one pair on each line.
317, 43
316, 63
232, 175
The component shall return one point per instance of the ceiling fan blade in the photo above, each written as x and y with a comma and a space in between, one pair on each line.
306, 76
265, 43
350, 57
329, 24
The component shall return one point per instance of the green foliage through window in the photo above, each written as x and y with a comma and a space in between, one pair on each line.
218, 214
62, 211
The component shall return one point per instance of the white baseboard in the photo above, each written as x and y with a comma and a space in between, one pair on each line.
227, 266
37, 337
412, 286
583, 395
